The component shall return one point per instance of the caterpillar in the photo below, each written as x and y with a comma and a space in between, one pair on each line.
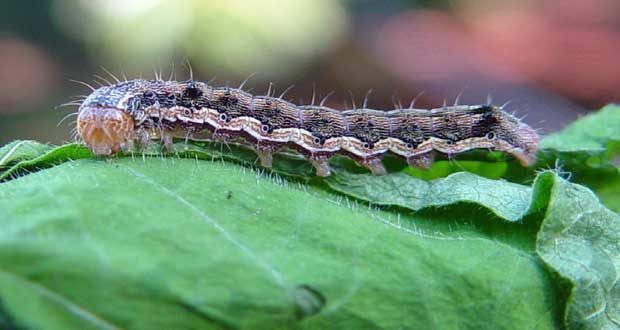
112, 117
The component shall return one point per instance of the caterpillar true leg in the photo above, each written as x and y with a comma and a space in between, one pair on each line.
127, 146
143, 138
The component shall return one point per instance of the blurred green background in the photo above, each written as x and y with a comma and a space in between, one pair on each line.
553, 59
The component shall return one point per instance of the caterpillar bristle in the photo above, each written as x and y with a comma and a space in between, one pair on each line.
83, 84
458, 98
412, 104
118, 81
322, 104
103, 80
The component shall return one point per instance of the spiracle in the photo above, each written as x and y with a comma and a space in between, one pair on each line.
112, 117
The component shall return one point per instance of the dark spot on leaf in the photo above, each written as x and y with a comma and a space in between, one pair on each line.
308, 301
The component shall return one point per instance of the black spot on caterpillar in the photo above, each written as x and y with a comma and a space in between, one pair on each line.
112, 117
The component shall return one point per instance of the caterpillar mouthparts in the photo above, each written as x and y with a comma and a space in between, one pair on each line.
113, 116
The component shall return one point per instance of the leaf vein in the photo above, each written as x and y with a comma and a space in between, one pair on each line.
63, 301
255, 258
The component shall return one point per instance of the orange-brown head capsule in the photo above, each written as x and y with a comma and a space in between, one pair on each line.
106, 119
105, 130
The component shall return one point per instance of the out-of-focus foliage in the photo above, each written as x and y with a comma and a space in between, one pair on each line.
238, 36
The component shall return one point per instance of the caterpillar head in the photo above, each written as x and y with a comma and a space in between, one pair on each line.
104, 122
516, 137
104, 130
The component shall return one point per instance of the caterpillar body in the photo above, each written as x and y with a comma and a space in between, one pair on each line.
112, 117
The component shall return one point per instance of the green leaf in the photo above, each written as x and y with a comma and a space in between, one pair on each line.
588, 151
26, 156
594, 134
580, 239
21, 150
181, 243
507, 200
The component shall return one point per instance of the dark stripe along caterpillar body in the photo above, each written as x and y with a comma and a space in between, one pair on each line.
112, 117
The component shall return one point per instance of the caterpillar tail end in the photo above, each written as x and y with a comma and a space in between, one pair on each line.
105, 131
528, 146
